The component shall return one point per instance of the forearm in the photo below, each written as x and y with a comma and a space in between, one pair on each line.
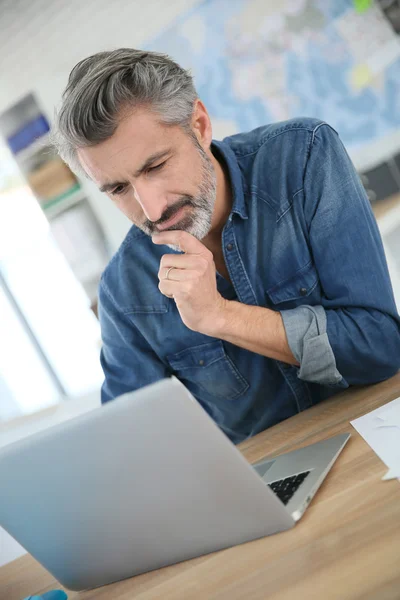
257, 329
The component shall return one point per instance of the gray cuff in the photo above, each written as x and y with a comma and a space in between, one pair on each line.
306, 333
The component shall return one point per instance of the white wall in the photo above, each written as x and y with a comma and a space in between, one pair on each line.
40, 42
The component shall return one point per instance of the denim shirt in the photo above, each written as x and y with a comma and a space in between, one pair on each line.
301, 239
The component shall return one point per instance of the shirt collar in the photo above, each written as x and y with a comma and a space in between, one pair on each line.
222, 151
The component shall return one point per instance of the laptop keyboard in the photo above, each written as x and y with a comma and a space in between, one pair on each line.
285, 488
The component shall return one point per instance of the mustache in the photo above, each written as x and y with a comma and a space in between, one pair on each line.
169, 212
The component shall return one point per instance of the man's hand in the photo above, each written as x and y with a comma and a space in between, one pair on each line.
191, 282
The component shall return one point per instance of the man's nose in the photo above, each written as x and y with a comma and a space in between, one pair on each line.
152, 204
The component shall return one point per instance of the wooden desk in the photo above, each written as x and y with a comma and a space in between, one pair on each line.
346, 546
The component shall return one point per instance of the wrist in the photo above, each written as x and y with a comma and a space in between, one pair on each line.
217, 323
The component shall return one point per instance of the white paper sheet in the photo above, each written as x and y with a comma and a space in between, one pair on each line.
381, 430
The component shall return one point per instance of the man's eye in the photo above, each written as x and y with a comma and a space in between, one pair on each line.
118, 190
157, 167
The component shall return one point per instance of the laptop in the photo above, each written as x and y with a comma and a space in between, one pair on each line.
143, 482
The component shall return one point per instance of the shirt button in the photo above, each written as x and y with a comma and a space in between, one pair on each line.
201, 362
303, 291
229, 247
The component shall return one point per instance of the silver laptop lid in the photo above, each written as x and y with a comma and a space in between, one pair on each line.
142, 482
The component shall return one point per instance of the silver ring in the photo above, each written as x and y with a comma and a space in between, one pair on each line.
167, 273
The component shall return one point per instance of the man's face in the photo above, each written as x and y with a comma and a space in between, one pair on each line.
160, 177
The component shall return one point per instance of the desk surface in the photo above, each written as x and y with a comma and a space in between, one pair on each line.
347, 545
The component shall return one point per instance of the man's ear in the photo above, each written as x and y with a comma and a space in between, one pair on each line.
201, 125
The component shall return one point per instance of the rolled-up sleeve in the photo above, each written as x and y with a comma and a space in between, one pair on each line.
308, 340
354, 336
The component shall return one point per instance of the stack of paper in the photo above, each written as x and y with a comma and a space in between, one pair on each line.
381, 430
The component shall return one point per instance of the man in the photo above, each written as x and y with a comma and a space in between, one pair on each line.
254, 270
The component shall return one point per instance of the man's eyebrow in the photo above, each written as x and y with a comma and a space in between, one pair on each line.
145, 166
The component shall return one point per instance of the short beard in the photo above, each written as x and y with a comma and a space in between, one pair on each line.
198, 220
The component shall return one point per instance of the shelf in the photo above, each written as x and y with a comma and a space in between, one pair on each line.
40, 143
63, 203
382, 207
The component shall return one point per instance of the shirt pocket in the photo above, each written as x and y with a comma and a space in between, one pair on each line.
209, 367
301, 288
146, 309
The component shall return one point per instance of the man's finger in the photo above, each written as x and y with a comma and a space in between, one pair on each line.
170, 288
175, 274
186, 241
182, 261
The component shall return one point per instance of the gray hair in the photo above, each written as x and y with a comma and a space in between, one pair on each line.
102, 87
